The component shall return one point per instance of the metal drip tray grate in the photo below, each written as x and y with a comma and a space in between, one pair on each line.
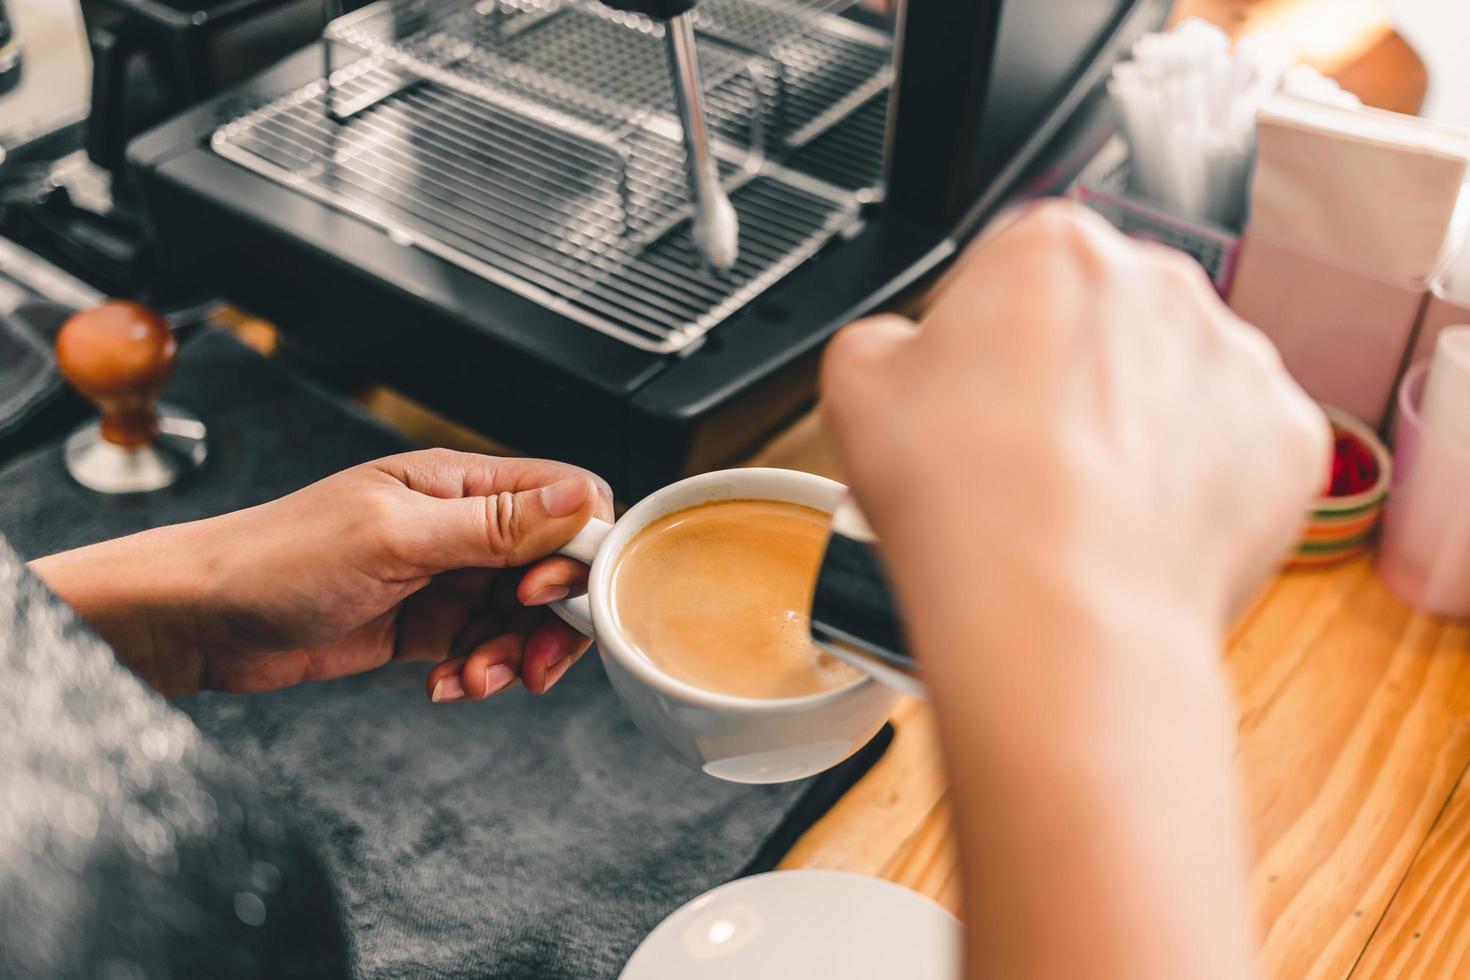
535, 143
849, 155
540, 210
564, 69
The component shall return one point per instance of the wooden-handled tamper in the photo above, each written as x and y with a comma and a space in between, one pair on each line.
119, 356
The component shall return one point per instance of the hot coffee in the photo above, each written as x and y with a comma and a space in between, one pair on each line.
719, 596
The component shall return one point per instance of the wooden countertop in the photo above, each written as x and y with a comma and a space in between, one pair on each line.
1354, 750
1354, 747
1354, 712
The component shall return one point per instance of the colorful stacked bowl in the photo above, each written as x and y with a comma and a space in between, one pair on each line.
1343, 520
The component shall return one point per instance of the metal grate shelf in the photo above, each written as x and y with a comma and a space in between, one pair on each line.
578, 70
824, 66
849, 154
540, 212
535, 143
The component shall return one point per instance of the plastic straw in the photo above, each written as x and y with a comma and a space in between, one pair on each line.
1187, 106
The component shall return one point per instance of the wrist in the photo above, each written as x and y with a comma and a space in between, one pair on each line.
1003, 597
144, 595
1058, 658
1088, 736
1075, 639
1021, 548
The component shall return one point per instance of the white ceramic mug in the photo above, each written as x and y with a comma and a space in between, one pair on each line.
744, 740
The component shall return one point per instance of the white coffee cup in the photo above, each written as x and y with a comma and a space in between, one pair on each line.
744, 740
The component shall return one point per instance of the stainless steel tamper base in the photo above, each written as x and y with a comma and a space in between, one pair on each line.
180, 448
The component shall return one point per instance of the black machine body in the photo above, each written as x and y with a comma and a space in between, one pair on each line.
991, 102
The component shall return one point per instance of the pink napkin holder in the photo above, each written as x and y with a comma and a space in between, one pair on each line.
1341, 332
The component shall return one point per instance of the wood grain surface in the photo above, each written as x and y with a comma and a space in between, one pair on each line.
1354, 732
1354, 713
1354, 722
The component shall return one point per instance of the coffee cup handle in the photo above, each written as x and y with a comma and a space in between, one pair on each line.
577, 612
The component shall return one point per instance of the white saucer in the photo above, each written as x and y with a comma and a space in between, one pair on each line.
795, 925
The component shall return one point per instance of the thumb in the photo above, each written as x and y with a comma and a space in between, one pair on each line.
505, 529
858, 367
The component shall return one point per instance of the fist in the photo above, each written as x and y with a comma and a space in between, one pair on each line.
1079, 408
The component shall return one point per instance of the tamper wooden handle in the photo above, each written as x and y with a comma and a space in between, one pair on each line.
119, 356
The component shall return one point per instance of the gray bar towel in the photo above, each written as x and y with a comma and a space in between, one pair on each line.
517, 838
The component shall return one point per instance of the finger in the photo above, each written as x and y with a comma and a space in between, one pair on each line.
431, 618
494, 666
517, 475
550, 651
500, 530
873, 339
486, 659
481, 627
552, 579
957, 270
857, 359
450, 475
444, 684
1050, 244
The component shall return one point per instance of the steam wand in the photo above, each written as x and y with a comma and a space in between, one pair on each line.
716, 226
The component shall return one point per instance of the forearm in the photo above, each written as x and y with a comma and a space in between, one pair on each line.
1074, 466
140, 594
1089, 741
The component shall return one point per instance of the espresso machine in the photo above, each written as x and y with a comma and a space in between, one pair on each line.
619, 234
